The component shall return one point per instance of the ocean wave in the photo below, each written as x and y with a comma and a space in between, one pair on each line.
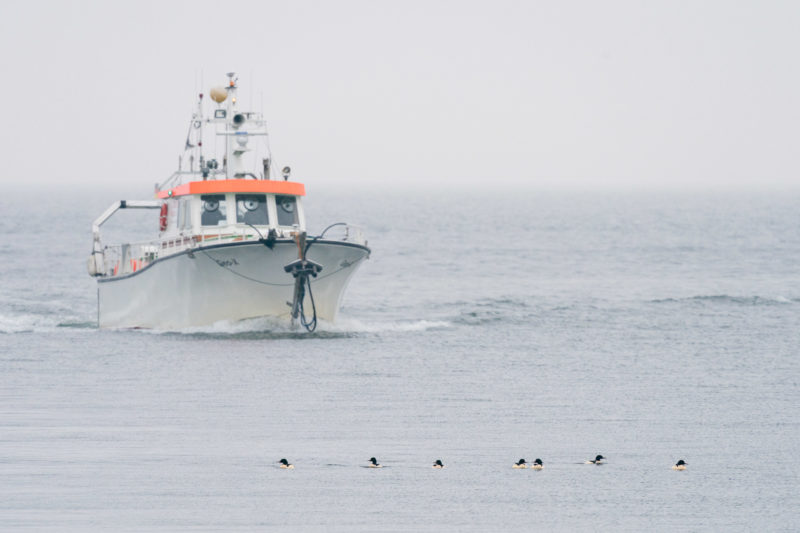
490, 310
729, 299
77, 324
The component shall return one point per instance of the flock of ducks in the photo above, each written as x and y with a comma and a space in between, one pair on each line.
536, 465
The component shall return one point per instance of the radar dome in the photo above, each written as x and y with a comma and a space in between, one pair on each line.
218, 94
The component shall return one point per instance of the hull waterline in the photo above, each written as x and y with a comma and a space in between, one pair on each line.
225, 282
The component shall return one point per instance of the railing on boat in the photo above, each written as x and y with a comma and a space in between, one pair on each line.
123, 259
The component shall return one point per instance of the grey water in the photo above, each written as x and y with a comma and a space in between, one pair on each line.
485, 328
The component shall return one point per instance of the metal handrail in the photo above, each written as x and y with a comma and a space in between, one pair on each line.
127, 258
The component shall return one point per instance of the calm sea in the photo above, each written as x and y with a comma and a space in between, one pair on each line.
485, 328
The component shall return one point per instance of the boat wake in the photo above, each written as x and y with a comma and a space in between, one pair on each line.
255, 328
277, 328
24, 323
45, 322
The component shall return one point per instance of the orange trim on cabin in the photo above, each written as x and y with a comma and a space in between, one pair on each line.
222, 186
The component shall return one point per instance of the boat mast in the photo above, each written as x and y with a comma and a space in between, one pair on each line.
230, 170
198, 124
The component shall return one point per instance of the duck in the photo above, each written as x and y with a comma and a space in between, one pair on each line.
520, 464
285, 464
537, 464
680, 465
598, 460
438, 464
373, 463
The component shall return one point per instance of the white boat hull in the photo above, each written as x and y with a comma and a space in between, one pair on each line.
225, 282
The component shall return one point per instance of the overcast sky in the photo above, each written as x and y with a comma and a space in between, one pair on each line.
583, 94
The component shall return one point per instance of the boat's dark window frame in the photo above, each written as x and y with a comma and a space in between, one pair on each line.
220, 215
258, 216
287, 218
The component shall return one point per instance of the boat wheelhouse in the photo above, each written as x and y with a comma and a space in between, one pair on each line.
232, 241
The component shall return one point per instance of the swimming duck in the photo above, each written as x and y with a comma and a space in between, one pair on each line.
537, 464
598, 460
374, 463
285, 464
438, 464
520, 464
680, 465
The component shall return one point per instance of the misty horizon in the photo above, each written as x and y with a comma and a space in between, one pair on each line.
567, 96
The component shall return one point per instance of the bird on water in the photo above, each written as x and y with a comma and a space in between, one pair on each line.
598, 460
520, 464
285, 464
373, 463
438, 464
680, 465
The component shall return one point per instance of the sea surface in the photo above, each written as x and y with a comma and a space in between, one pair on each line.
486, 327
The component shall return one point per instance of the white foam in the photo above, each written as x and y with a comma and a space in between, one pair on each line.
284, 326
23, 322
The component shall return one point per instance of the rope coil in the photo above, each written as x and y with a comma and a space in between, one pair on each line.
303, 270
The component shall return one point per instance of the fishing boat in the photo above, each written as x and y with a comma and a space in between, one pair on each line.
231, 238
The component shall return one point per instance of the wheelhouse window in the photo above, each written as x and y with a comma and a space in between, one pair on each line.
214, 212
252, 209
287, 210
